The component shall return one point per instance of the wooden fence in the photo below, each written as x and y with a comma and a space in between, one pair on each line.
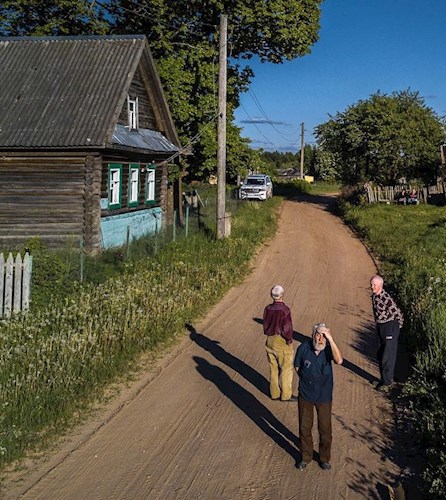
435, 194
15, 284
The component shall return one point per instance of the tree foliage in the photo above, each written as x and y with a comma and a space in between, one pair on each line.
183, 37
384, 138
51, 18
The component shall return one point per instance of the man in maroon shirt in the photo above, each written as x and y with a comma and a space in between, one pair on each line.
278, 327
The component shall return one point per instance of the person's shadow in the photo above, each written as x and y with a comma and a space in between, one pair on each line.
251, 406
214, 348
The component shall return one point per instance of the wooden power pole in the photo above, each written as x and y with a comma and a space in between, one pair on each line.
302, 145
221, 131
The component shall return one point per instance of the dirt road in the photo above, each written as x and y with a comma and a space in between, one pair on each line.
204, 426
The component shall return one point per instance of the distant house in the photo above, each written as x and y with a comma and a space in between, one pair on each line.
84, 131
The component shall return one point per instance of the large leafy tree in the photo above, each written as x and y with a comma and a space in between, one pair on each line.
384, 138
183, 36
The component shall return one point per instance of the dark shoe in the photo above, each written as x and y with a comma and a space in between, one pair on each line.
384, 388
292, 398
325, 466
301, 465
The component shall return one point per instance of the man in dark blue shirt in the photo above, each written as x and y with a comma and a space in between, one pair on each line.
313, 365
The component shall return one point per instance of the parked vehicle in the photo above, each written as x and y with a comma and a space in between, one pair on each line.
256, 187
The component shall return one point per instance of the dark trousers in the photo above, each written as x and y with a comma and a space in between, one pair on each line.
388, 334
306, 411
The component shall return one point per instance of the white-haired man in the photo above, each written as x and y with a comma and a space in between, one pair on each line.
389, 319
278, 327
313, 366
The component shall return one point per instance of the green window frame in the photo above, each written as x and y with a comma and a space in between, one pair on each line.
150, 184
134, 183
114, 185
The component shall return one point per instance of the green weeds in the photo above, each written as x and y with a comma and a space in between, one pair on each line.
59, 358
410, 243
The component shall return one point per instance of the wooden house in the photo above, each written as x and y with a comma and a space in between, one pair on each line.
86, 136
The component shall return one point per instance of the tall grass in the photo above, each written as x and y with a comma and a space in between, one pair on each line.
61, 357
410, 243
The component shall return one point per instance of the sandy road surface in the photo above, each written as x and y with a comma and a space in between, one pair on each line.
205, 428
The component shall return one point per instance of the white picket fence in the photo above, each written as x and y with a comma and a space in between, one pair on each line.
15, 284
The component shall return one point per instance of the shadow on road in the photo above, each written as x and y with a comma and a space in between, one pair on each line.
326, 201
251, 406
214, 348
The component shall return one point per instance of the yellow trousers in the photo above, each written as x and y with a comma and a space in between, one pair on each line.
280, 358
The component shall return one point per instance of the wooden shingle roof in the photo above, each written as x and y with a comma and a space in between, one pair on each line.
66, 92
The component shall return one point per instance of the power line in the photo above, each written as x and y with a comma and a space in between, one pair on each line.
255, 125
268, 119
191, 141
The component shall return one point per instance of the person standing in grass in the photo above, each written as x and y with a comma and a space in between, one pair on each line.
278, 327
313, 366
389, 320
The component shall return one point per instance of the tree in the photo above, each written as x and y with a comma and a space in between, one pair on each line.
183, 36
384, 138
325, 165
309, 159
51, 18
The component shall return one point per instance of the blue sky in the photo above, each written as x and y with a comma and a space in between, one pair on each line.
364, 46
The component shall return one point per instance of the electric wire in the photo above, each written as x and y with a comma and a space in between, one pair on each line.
255, 125
267, 118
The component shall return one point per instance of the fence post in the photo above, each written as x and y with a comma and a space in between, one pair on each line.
156, 235
2, 282
174, 230
187, 221
8, 285
17, 300
27, 271
127, 243
81, 257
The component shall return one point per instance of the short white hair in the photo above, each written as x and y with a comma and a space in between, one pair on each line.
277, 292
377, 278
317, 327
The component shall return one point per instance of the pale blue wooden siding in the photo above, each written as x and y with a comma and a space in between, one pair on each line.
141, 223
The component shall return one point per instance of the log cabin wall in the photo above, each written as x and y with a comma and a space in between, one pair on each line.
92, 214
146, 114
41, 196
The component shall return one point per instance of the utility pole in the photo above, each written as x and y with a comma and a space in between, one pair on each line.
302, 145
221, 130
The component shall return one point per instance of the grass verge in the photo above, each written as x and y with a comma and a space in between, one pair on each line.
60, 358
410, 243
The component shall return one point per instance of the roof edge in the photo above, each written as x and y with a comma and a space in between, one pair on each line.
71, 37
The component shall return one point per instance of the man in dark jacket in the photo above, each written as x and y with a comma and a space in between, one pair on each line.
313, 365
278, 327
